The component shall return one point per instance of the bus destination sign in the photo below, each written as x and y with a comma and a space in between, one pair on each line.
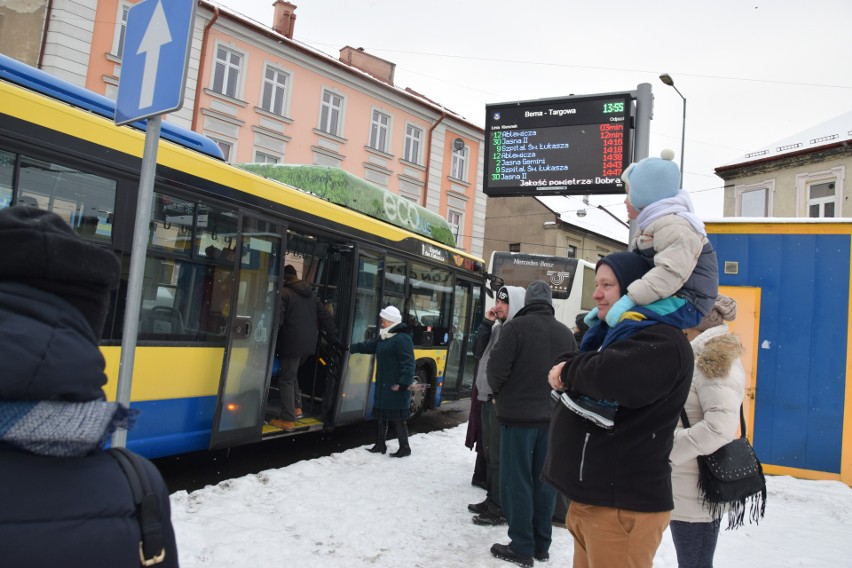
572, 145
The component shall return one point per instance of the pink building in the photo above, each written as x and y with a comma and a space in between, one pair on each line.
265, 97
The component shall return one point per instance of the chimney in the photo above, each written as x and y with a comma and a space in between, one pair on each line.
284, 19
377, 67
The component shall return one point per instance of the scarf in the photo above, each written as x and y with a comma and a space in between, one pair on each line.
386, 333
680, 205
60, 428
599, 336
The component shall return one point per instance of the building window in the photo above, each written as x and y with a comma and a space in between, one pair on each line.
755, 200
821, 200
458, 169
264, 158
413, 140
818, 193
274, 96
456, 221
572, 251
330, 112
226, 73
514, 247
226, 147
120, 30
379, 130
753, 203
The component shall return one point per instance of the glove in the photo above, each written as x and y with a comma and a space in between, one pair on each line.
592, 318
617, 310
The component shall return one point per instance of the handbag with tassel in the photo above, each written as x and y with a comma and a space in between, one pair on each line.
732, 480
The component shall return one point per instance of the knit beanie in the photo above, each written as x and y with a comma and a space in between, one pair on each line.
42, 251
391, 314
538, 292
652, 179
725, 309
503, 295
627, 266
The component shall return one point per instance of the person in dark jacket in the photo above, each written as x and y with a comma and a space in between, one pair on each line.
302, 316
509, 301
619, 480
517, 375
64, 501
394, 350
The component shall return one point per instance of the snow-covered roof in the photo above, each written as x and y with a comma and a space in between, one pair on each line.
596, 220
830, 132
781, 220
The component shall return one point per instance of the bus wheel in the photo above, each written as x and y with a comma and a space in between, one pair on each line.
418, 397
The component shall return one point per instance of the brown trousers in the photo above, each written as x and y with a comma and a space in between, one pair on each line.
614, 538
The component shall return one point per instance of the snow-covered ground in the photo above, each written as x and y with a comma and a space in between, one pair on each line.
356, 509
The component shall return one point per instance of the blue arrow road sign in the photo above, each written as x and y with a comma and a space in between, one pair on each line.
156, 53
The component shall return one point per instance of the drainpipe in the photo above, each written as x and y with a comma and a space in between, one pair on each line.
429, 154
47, 13
202, 66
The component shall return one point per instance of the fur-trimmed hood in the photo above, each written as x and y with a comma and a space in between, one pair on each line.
715, 351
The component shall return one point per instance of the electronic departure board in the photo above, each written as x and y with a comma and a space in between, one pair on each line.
572, 145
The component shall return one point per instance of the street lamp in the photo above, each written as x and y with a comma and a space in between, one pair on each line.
667, 79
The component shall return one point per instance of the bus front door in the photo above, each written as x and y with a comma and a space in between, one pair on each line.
248, 355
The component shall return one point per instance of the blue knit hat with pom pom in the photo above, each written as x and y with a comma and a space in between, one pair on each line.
652, 179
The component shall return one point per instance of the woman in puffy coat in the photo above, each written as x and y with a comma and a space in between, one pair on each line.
394, 350
64, 501
713, 410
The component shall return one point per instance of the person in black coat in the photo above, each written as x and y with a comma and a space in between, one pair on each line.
302, 316
394, 350
517, 374
64, 501
619, 480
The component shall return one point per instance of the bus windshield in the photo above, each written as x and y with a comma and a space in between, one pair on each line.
572, 280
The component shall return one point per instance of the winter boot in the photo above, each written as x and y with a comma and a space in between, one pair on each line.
402, 435
381, 435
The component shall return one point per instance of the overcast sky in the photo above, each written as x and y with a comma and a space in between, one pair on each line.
752, 72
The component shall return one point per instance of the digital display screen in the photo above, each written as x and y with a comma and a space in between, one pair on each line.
572, 145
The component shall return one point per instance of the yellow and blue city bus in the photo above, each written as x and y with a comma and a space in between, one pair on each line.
218, 240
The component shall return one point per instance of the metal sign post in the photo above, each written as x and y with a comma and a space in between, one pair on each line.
137, 270
153, 77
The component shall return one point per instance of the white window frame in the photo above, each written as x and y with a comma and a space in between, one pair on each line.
120, 29
804, 181
458, 168
380, 130
741, 191
331, 112
455, 218
413, 146
227, 68
261, 157
228, 148
278, 90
